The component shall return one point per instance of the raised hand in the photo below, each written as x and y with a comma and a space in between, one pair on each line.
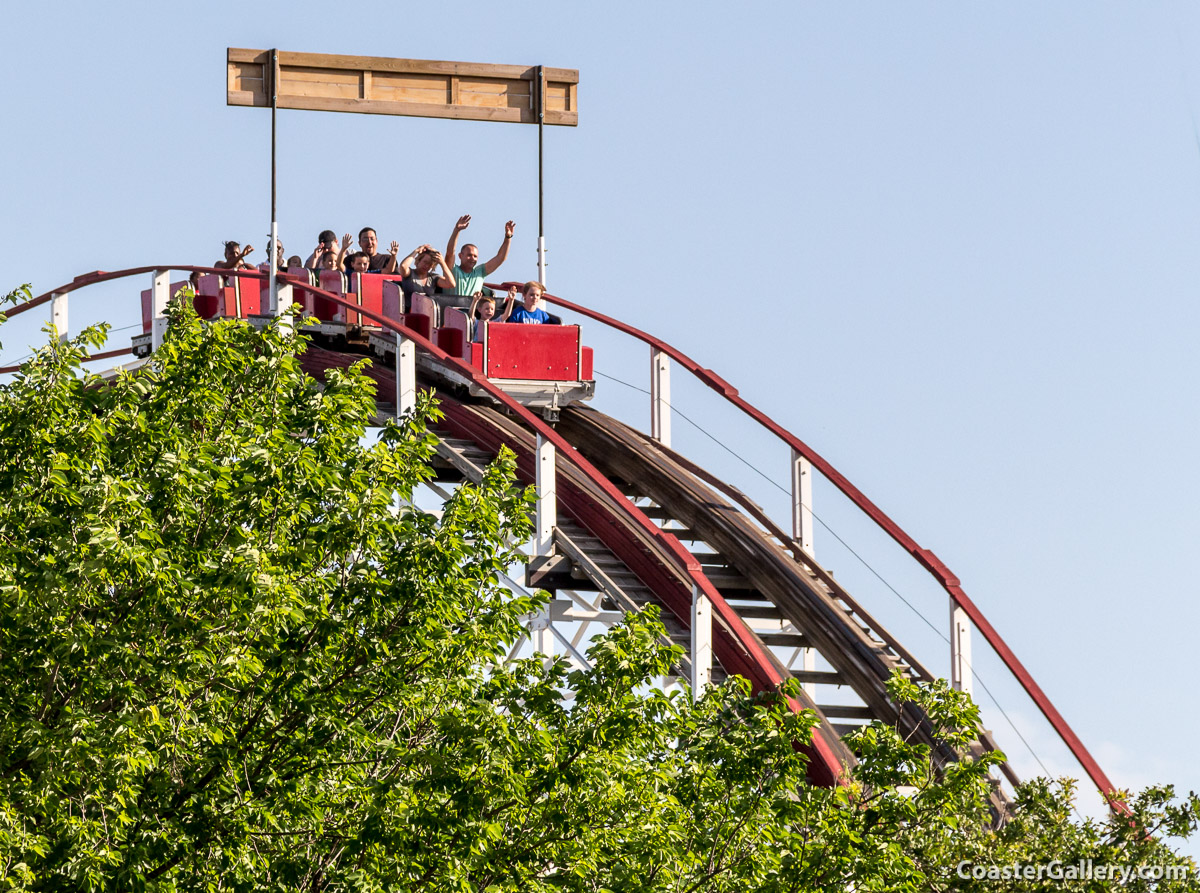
346, 241
395, 248
463, 223
509, 229
246, 250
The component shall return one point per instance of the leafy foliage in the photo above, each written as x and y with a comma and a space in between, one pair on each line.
232, 658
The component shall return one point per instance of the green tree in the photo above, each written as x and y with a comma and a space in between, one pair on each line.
233, 658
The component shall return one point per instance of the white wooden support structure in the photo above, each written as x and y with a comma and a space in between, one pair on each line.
58, 314
545, 517
545, 513
702, 646
160, 294
541, 634
960, 649
406, 374
660, 396
802, 533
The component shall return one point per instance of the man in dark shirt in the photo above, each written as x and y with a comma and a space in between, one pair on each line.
368, 242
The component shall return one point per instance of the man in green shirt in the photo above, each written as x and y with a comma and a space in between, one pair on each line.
468, 272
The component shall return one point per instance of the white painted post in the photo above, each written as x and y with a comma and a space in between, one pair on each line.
542, 261
702, 649
960, 649
406, 374
546, 510
802, 533
802, 518
160, 294
660, 396
282, 301
58, 314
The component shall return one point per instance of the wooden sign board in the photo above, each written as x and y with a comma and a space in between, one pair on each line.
423, 88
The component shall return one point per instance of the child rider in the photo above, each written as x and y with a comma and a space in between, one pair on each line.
530, 310
483, 309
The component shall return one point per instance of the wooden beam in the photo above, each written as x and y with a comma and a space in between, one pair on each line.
423, 88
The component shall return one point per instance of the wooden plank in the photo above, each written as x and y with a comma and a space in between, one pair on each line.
846, 711
421, 66
412, 109
410, 88
262, 57
824, 677
416, 87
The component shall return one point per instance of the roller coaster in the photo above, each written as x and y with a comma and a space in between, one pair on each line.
622, 521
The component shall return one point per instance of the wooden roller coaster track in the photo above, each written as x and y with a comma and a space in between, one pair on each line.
627, 504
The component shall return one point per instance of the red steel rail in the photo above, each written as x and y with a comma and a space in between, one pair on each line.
925, 557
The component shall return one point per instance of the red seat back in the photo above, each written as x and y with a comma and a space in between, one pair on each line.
148, 303
392, 301
324, 309
368, 294
247, 297
455, 333
210, 296
421, 316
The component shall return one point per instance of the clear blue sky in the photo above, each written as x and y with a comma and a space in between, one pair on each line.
952, 246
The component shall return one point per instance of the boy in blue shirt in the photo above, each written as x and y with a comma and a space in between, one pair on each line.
530, 310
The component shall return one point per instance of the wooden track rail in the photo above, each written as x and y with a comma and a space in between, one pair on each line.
862, 653
925, 557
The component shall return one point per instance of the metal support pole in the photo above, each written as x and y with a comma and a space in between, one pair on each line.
406, 374
960, 649
702, 649
660, 396
546, 510
160, 294
541, 113
58, 314
272, 248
